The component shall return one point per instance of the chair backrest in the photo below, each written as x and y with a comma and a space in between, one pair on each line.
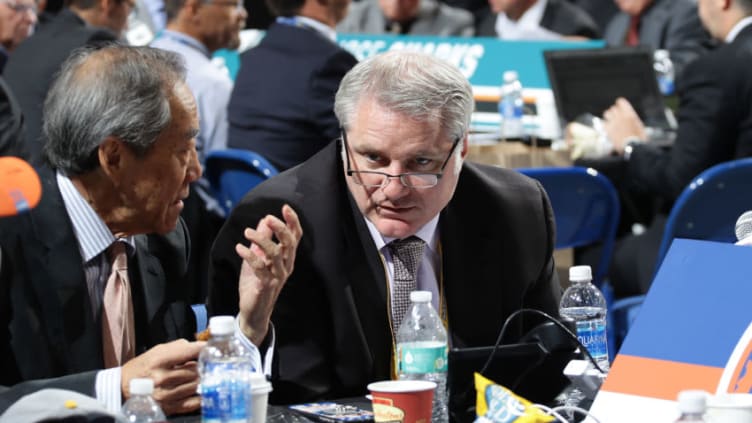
233, 172
586, 209
709, 206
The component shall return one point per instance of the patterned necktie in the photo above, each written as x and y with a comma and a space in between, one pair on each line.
406, 255
118, 330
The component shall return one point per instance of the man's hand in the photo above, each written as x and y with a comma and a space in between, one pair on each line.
265, 269
621, 123
174, 370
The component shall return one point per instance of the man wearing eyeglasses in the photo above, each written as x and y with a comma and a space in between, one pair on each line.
397, 173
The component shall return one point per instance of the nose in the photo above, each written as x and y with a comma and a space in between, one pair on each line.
194, 171
393, 189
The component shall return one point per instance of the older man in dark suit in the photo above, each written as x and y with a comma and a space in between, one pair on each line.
91, 279
398, 173
535, 20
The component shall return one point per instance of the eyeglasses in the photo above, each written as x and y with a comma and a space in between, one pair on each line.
375, 179
236, 5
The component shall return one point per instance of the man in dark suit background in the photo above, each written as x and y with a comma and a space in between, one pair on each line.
715, 125
535, 20
671, 25
281, 105
121, 125
398, 172
33, 64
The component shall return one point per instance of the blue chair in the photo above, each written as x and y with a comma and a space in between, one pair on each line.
586, 209
707, 209
232, 173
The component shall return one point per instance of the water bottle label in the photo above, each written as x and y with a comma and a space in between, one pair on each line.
225, 394
509, 110
666, 85
422, 359
593, 336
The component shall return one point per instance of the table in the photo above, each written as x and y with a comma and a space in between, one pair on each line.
514, 154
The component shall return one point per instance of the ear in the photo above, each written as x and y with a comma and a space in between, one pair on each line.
465, 144
113, 156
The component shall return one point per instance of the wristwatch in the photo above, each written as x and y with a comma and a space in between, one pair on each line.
629, 147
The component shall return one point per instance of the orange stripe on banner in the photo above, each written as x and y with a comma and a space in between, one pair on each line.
661, 379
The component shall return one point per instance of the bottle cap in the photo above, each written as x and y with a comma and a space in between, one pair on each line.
692, 401
580, 273
510, 76
141, 386
222, 325
420, 296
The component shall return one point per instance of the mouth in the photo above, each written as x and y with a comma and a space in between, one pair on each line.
393, 211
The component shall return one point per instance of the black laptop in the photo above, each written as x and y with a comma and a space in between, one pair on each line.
590, 80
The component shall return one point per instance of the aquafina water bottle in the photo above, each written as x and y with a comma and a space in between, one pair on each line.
225, 367
584, 303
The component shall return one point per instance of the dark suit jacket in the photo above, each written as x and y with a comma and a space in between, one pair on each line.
672, 25
46, 322
333, 334
12, 142
32, 66
282, 104
560, 17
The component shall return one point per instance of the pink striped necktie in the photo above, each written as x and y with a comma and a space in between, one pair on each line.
118, 329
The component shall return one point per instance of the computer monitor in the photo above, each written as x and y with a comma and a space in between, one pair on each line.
590, 80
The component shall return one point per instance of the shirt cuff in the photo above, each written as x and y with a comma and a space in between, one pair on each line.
107, 389
256, 362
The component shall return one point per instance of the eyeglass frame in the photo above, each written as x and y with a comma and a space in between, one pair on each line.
402, 176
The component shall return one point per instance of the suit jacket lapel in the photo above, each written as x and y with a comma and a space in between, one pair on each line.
69, 320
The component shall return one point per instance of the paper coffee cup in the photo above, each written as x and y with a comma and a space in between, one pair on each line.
730, 408
406, 401
260, 389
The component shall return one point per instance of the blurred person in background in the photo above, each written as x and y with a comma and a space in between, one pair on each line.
715, 125
671, 25
535, 20
282, 105
412, 17
30, 69
17, 20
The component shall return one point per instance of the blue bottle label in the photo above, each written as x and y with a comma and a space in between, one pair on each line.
592, 334
422, 357
225, 394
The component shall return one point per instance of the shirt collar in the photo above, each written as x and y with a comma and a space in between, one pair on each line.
530, 19
317, 26
186, 40
92, 234
428, 233
736, 29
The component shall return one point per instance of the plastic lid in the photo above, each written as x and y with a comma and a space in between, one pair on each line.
259, 384
660, 54
510, 76
692, 401
141, 386
222, 325
420, 296
580, 273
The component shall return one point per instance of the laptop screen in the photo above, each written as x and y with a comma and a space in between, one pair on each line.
590, 80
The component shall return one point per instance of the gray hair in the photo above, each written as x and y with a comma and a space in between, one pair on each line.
110, 90
414, 84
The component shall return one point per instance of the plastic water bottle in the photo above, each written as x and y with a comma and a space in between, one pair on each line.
141, 407
664, 71
511, 106
584, 303
422, 350
691, 404
225, 368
